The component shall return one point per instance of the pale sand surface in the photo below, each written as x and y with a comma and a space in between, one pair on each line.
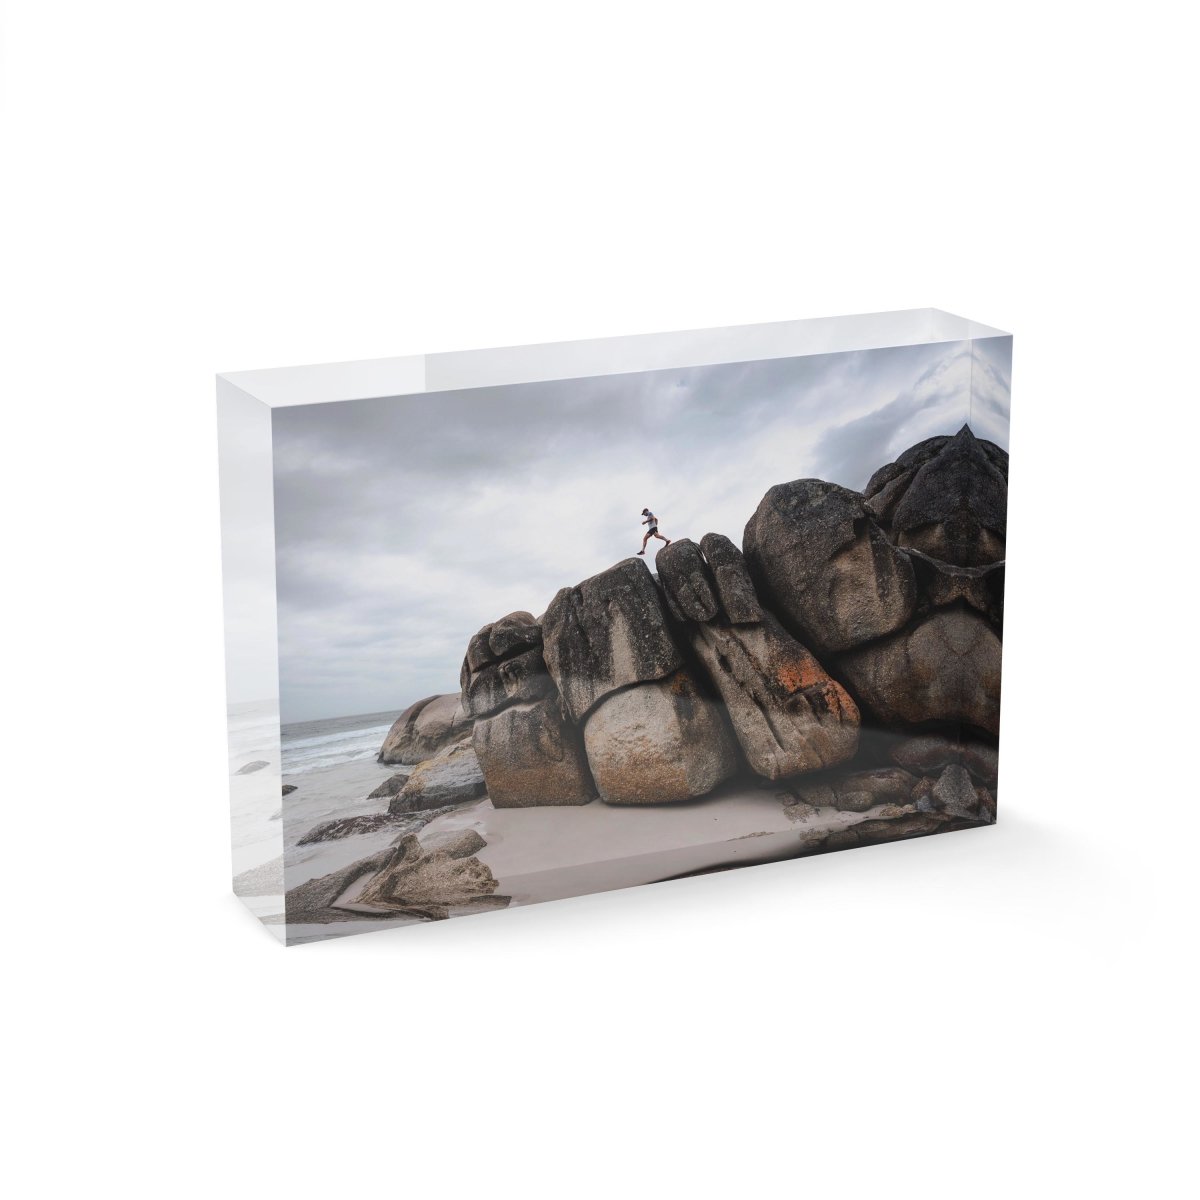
536, 854
548, 853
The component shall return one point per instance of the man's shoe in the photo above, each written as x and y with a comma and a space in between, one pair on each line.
641, 552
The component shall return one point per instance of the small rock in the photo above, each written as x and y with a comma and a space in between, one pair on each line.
251, 767
799, 811
954, 793
451, 777
288, 789
390, 786
344, 827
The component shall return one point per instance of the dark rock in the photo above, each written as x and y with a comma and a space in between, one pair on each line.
344, 827
685, 581
947, 497
857, 791
607, 633
942, 584
862, 790
390, 786
823, 565
521, 679
954, 793
288, 789
981, 760
788, 714
312, 902
425, 728
450, 777
479, 652
657, 743
501, 639
514, 633
731, 579
929, 752
932, 752
987, 804
530, 756
888, 829
946, 669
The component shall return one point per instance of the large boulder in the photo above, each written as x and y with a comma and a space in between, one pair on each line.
731, 580
521, 679
424, 728
531, 756
504, 665
824, 566
528, 753
788, 714
452, 776
659, 742
605, 634
948, 497
945, 669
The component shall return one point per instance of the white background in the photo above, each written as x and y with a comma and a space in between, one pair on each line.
199, 187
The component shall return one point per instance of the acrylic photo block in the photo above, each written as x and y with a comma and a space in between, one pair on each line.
515, 625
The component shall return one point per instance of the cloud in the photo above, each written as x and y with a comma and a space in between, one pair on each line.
406, 523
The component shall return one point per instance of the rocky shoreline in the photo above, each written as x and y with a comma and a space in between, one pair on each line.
845, 662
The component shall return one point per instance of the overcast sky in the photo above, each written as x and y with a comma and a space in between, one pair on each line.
404, 524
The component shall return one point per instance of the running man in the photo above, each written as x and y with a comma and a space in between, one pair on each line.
648, 518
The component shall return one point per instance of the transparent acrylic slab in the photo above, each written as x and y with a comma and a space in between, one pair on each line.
513, 625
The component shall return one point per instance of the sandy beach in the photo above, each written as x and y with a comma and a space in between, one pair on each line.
542, 854
533, 854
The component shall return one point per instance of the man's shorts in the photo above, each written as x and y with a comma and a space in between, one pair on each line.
652, 529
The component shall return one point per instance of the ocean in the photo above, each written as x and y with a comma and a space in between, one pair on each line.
311, 745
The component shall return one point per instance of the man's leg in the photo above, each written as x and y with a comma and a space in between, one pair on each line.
644, 541
661, 538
